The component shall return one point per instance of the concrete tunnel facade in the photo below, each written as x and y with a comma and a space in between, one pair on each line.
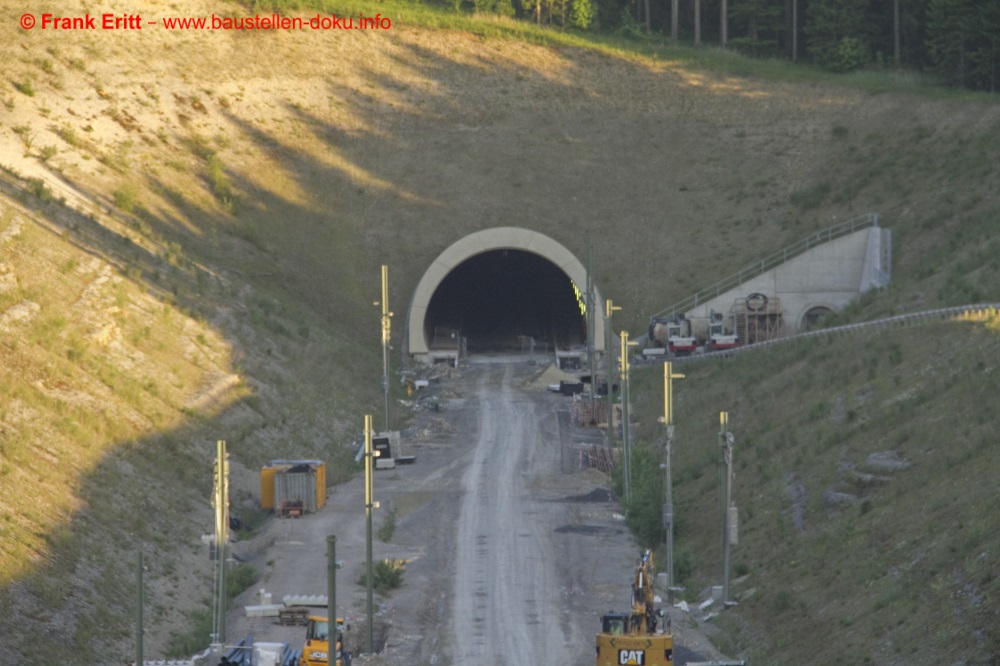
494, 274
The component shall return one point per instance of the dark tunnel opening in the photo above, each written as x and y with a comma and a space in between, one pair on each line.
499, 299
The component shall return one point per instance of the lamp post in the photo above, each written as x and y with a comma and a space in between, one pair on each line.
726, 442
139, 655
609, 308
626, 430
590, 332
369, 505
386, 336
220, 502
331, 588
668, 506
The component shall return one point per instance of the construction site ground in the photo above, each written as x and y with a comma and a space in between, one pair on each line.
513, 552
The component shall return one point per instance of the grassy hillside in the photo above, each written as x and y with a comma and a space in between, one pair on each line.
864, 477
192, 225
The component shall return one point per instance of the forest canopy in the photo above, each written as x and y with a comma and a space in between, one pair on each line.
955, 40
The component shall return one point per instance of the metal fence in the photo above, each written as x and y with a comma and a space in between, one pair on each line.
976, 312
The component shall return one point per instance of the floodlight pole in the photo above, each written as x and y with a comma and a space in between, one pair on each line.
139, 658
668, 506
220, 501
386, 336
590, 331
369, 505
331, 590
726, 442
609, 308
626, 429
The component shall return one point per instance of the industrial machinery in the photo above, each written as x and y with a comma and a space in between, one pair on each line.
636, 637
316, 651
674, 333
718, 338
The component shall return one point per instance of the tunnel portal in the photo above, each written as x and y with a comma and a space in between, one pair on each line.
501, 299
497, 289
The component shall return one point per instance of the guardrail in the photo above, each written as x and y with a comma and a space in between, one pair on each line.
975, 312
769, 262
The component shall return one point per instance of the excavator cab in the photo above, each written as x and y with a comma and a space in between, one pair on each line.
614, 623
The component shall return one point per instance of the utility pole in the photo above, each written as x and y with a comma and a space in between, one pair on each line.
591, 323
139, 658
726, 442
673, 20
668, 506
369, 505
386, 336
626, 429
609, 308
331, 590
220, 501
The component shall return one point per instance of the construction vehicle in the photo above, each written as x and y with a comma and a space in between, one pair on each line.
316, 651
718, 338
674, 333
636, 637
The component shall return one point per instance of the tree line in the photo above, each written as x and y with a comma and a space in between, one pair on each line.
956, 40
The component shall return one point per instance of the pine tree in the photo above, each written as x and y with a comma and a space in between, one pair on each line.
963, 40
757, 25
837, 33
582, 13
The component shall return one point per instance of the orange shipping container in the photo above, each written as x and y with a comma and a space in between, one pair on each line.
273, 467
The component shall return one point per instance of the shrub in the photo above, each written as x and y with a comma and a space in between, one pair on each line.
388, 527
38, 188
850, 54
239, 578
582, 13
387, 575
628, 27
126, 197
27, 87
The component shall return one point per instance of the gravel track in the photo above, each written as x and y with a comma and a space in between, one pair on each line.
511, 558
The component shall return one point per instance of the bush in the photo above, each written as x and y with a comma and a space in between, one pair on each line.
386, 576
126, 197
582, 13
643, 511
628, 27
848, 55
239, 578
388, 527
27, 87
38, 188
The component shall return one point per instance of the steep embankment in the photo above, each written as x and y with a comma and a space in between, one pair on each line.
864, 469
197, 255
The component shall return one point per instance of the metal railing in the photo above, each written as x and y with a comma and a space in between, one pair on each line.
769, 262
975, 312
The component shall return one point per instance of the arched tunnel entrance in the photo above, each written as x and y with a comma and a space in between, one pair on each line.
497, 290
501, 299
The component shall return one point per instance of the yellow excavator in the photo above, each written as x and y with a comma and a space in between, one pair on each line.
316, 651
636, 637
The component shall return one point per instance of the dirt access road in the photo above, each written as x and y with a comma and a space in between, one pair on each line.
512, 552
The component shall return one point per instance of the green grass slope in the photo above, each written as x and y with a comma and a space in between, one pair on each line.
193, 224
864, 477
